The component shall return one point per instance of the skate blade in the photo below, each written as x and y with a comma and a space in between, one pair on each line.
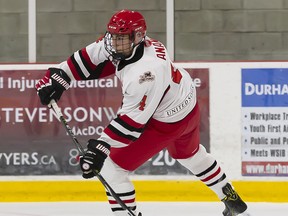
245, 213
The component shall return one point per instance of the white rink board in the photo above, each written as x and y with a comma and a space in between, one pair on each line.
225, 110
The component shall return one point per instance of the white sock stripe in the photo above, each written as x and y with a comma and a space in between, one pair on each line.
122, 198
132, 204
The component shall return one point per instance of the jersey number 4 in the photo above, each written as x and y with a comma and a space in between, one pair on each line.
176, 75
143, 103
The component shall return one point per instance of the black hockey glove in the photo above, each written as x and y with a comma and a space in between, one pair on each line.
53, 84
94, 157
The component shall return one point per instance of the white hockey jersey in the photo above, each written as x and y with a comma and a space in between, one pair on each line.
152, 87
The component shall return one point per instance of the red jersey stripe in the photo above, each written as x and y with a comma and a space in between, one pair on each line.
108, 69
73, 69
87, 59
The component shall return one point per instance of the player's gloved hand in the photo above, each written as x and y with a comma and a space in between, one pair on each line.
94, 157
52, 85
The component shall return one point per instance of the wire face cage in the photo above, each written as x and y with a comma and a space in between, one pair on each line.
117, 45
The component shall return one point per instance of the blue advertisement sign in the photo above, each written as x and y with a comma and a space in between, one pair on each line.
265, 87
264, 121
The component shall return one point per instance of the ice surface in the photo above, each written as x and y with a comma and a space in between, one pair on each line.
147, 209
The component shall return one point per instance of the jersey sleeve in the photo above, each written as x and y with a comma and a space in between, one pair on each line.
141, 98
91, 62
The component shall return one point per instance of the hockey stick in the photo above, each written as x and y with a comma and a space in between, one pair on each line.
61, 118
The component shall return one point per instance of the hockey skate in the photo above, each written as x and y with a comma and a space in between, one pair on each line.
234, 205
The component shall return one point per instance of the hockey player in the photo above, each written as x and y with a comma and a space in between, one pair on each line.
159, 110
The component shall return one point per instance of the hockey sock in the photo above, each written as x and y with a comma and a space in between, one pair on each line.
206, 168
128, 198
123, 187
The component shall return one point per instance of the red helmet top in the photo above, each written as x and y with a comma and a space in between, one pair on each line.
126, 22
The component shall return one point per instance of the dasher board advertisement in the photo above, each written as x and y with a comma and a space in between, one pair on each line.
265, 122
33, 141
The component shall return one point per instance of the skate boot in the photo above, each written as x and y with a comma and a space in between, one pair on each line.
234, 205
